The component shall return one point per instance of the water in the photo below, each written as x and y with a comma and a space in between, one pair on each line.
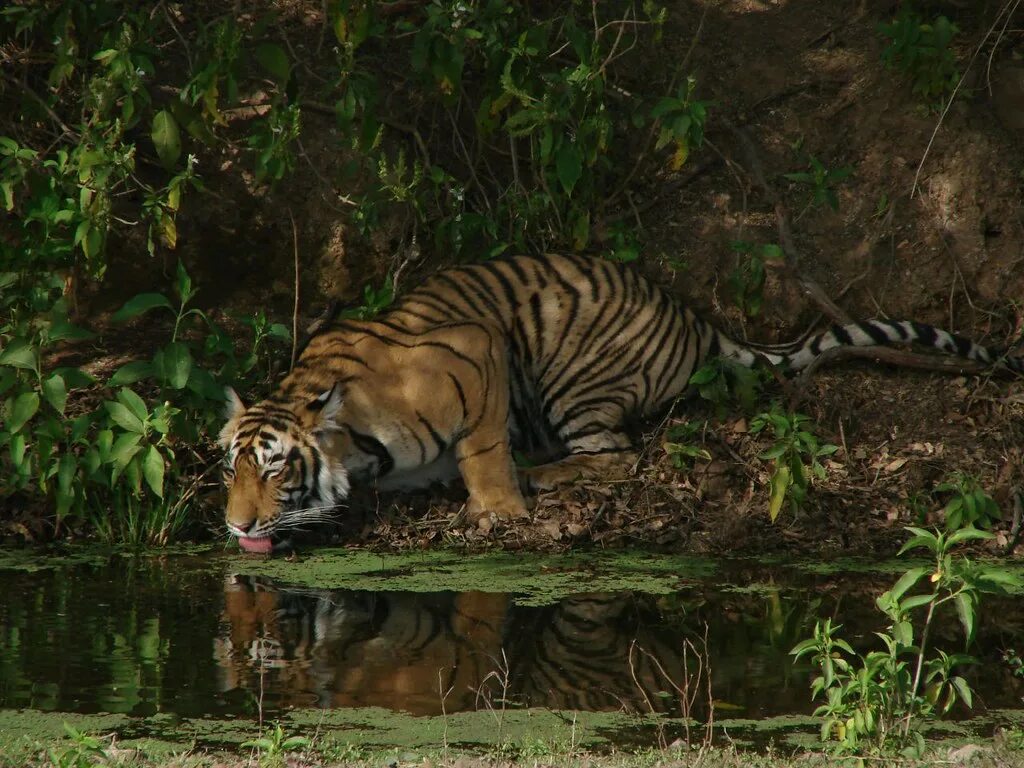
198, 637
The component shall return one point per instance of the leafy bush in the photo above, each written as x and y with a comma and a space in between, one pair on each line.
876, 701
921, 51
519, 135
796, 450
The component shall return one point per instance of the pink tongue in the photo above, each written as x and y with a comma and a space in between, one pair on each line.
261, 545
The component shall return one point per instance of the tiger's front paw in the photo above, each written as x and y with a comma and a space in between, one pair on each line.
485, 513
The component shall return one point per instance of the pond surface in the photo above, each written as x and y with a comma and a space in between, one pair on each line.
218, 636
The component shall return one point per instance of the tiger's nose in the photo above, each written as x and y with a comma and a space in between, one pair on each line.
244, 528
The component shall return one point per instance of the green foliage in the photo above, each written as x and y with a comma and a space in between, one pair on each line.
969, 504
273, 745
521, 137
747, 279
537, 130
922, 53
725, 383
375, 300
821, 182
876, 702
681, 444
117, 466
796, 450
85, 752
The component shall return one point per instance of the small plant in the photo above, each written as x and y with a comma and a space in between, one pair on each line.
970, 506
86, 751
681, 121
375, 300
922, 53
794, 445
747, 280
821, 181
723, 382
876, 701
681, 445
273, 745
1014, 662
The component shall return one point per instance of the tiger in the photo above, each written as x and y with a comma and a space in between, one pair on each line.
551, 355
430, 653
335, 648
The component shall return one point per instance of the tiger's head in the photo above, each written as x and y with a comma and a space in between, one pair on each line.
280, 467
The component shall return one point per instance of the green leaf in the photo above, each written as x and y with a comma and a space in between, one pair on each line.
780, 483
963, 690
134, 403
17, 449
965, 612
173, 364
153, 470
139, 304
129, 373
24, 408
183, 284
104, 443
56, 392
124, 448
906, 581
124, 418
928, 541
273, 59
967, 534
774, 452
704, 375
166, 138
915, 602
66, 470
202, 383
569, 165
62, 330
75, 378
19, 354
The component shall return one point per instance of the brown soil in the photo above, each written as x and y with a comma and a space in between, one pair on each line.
802, 77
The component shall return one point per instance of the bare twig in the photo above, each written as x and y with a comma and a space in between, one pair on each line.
295, 308
42, 102
995, 45
956, 90
1018, 511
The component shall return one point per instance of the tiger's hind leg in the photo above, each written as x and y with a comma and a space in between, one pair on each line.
603, 455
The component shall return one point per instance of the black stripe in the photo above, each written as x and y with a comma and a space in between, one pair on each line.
462, 395
878, 335
925, 334
841, 335
371, 445
439, 441
963, 346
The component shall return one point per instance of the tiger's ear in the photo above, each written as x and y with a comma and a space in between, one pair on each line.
234, 405
233, 409
326, 407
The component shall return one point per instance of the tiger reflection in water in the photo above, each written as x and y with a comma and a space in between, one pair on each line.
446, 652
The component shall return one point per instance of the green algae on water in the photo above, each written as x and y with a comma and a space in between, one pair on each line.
534, 579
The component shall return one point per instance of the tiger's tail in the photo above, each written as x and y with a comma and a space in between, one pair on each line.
800, 354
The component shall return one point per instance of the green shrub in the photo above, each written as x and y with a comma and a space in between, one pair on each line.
520, 135
876, 702
921, 51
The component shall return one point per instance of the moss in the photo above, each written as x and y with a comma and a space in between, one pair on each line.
534, 579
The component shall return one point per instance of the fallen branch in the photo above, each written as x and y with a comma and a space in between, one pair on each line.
892, 356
